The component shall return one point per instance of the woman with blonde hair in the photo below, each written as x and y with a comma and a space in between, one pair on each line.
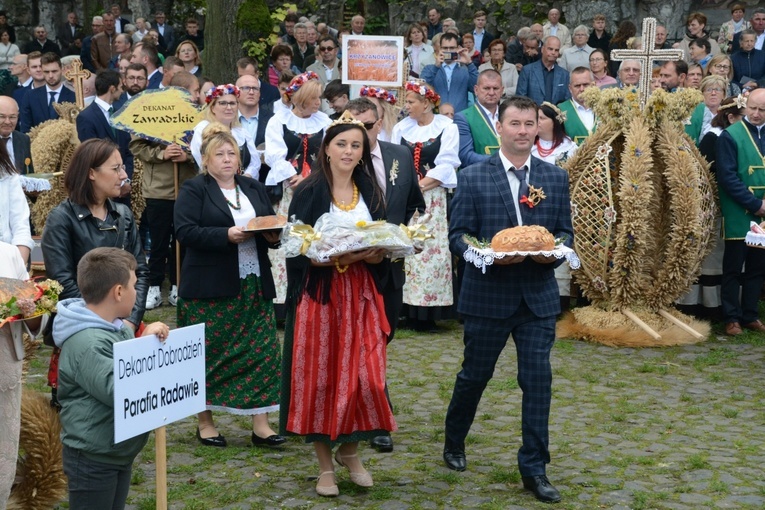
713, 87
222, 106
188, 53
721, 65
433, 140
386, 108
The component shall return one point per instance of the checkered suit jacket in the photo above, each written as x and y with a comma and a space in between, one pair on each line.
482, 206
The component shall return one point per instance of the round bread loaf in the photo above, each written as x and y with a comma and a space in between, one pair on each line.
10, 287
525, 238
266, 222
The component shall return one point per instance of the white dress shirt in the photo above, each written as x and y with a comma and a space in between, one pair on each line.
515, 184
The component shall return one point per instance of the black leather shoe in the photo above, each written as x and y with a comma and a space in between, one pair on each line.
218, 441
542, 488
455, 460
383, 444
272, 441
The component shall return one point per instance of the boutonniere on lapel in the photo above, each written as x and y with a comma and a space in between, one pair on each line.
535, 196
393, 172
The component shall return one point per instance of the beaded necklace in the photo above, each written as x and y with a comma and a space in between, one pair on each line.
353, 203
238, 204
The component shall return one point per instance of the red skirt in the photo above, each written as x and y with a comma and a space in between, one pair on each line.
339, 357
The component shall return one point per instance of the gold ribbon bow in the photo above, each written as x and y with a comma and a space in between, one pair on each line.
417, 232
307, 233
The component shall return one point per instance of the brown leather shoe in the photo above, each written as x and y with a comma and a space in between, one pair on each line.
756, 326
733, 328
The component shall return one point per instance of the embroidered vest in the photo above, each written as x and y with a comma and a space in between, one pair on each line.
751, 170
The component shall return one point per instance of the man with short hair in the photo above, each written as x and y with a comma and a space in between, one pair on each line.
146, 54
38, 102
478, 124
301, 49
357, 25
660, 42
193, 34
268, 92
18, 145
119, 21
327, 67
290, 20
336, 95
559, 30
515, 46
481, 37
748, 61
758, 25
395, 173
517, 297
447, 24
741, 181
580, 119
629, 74
102, 45
672, 75
96, 26
451, 79
313, 34
434, 23
41, 43
577, 55
171, 66
123, 49
68, 32
134, 83
165, 31
599, 37
530, 52
544, 80
20, 70
253, 118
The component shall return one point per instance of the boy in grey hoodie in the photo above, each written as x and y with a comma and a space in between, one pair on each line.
86, 330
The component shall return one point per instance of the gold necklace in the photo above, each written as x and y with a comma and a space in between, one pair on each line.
353, 203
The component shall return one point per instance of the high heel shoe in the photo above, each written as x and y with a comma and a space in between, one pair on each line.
360, 478
327, 490
218, 441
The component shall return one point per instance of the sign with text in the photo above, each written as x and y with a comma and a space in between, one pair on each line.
373, 60
160, 115
158, 383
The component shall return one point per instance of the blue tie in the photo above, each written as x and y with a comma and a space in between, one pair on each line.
51, 110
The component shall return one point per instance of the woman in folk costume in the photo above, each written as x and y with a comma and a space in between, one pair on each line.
333, 389
434, 142
293, 140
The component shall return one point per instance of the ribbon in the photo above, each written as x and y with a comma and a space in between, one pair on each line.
307, 233
417, 232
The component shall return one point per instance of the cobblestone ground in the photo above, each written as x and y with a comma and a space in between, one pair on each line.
673, 428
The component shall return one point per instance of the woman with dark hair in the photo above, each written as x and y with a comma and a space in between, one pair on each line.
703, 299
626, 30
281, 60
90, 218
696, 29
599, 67
497, 49
226, 282
700, 51
333, 389
8, 50
552, 144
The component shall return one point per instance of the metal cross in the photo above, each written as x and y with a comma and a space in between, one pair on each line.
647, 56
77, 75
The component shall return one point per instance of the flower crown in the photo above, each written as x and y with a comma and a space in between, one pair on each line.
378, 92
738, 102
424, 91
221, 90
348, 118
560, 115
298, 81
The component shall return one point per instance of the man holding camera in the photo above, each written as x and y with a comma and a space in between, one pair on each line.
453, 74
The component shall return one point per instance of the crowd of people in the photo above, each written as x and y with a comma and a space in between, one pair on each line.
479, 120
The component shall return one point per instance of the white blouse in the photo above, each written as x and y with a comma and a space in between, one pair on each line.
276, 148
248, 250
240, 135
358, 213
561, 153
447, 159
14, 213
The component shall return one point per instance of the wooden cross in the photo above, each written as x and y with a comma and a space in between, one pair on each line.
647, 56
77, 75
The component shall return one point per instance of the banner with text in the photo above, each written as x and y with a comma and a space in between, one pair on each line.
373, 60
158, 383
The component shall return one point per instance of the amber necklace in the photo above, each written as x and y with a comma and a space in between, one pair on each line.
353, 203
238, 204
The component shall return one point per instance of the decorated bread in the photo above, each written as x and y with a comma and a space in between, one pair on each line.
11, 287
525, 238
267, 222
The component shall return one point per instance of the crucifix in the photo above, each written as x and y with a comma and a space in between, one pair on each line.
77, 75
647, 56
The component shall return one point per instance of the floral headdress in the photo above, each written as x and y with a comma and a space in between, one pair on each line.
559, 115
298, 81
378, 92
421, 89
738, 102
221, 90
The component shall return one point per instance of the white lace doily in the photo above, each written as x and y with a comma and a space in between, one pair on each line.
755, 240
483, 257
31, 184
394, 251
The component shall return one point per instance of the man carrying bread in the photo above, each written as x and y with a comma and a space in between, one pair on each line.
517, 295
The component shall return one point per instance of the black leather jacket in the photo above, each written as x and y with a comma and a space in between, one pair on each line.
71, 231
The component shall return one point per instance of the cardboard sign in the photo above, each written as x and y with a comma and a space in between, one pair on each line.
373, 60
160, 115
158, 383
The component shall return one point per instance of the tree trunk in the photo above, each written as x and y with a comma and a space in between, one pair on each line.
223, 44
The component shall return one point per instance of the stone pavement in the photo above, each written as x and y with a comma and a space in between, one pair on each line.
673, 428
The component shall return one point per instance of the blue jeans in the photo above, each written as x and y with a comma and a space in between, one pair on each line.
94, 484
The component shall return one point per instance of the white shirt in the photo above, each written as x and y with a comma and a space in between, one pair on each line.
515, 184
248, 250
760, 40
11, 154
104, 107
241, 137
448, 158
586, 115
276, 149
48, 90
493, 118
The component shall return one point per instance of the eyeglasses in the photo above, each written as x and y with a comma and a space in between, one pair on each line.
248, 89
722, 66
136, 78
713, 89
326, 48
227, 104
12, 118
116, 168
597, 60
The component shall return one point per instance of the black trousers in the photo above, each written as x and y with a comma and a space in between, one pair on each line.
743, 272
159, 214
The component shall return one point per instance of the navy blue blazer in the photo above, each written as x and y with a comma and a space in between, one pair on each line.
91, 123
482, 206
463, 81
19, 93
155, 80
531, 83
35, 109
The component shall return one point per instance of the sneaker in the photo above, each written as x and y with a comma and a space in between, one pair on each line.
172, 298
153, 298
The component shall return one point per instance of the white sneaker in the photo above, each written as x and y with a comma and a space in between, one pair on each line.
172, 298
153, 298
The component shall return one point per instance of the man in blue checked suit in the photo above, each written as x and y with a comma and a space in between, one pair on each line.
517, 296
452, 79
544, 80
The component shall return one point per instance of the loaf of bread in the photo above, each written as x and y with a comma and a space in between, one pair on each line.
267, 222
10, 287
525, 238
